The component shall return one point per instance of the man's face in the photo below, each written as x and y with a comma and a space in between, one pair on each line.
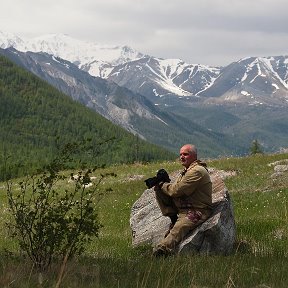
186, 157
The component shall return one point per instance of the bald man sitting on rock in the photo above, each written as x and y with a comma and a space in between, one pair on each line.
187, 201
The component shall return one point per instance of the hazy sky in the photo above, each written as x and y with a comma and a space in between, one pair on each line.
211, 32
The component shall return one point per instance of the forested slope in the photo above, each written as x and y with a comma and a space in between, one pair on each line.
34, 116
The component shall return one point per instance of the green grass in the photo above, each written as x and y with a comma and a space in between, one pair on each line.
260, 258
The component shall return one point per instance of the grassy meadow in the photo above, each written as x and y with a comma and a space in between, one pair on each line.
260, 258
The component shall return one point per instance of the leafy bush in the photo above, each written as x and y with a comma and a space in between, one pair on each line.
50, 223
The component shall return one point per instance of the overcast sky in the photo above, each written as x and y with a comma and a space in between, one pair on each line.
211, 32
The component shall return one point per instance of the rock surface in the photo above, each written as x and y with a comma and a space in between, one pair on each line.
280, 168
216, 235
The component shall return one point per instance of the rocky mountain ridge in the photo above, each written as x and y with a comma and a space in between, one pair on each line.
252, 80
167, 101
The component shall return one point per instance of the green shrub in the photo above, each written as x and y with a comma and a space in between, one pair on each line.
48, 222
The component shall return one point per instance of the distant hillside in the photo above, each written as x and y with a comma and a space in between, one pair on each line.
132, 111
33, 115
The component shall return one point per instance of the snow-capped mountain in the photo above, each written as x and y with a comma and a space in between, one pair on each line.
167, 101
251, 81
9, 40
96, 59
154, 77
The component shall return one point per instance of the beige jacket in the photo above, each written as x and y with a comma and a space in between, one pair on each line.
192, 190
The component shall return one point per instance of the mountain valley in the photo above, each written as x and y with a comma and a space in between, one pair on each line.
166, 101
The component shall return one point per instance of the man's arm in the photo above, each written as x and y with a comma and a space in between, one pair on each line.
186, 186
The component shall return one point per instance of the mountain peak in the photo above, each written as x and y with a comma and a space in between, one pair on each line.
83, 53
8, 39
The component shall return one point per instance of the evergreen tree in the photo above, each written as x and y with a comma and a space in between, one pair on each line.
255, 148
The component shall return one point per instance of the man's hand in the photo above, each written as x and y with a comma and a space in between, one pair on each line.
158, 186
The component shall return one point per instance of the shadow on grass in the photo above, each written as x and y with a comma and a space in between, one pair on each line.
241, 269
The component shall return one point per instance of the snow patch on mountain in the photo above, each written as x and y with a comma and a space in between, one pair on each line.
245, 93
209, 83
276, 86
164, 72
270, 68
171, 67
172, 88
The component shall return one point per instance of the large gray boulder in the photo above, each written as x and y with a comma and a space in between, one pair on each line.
215, 236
